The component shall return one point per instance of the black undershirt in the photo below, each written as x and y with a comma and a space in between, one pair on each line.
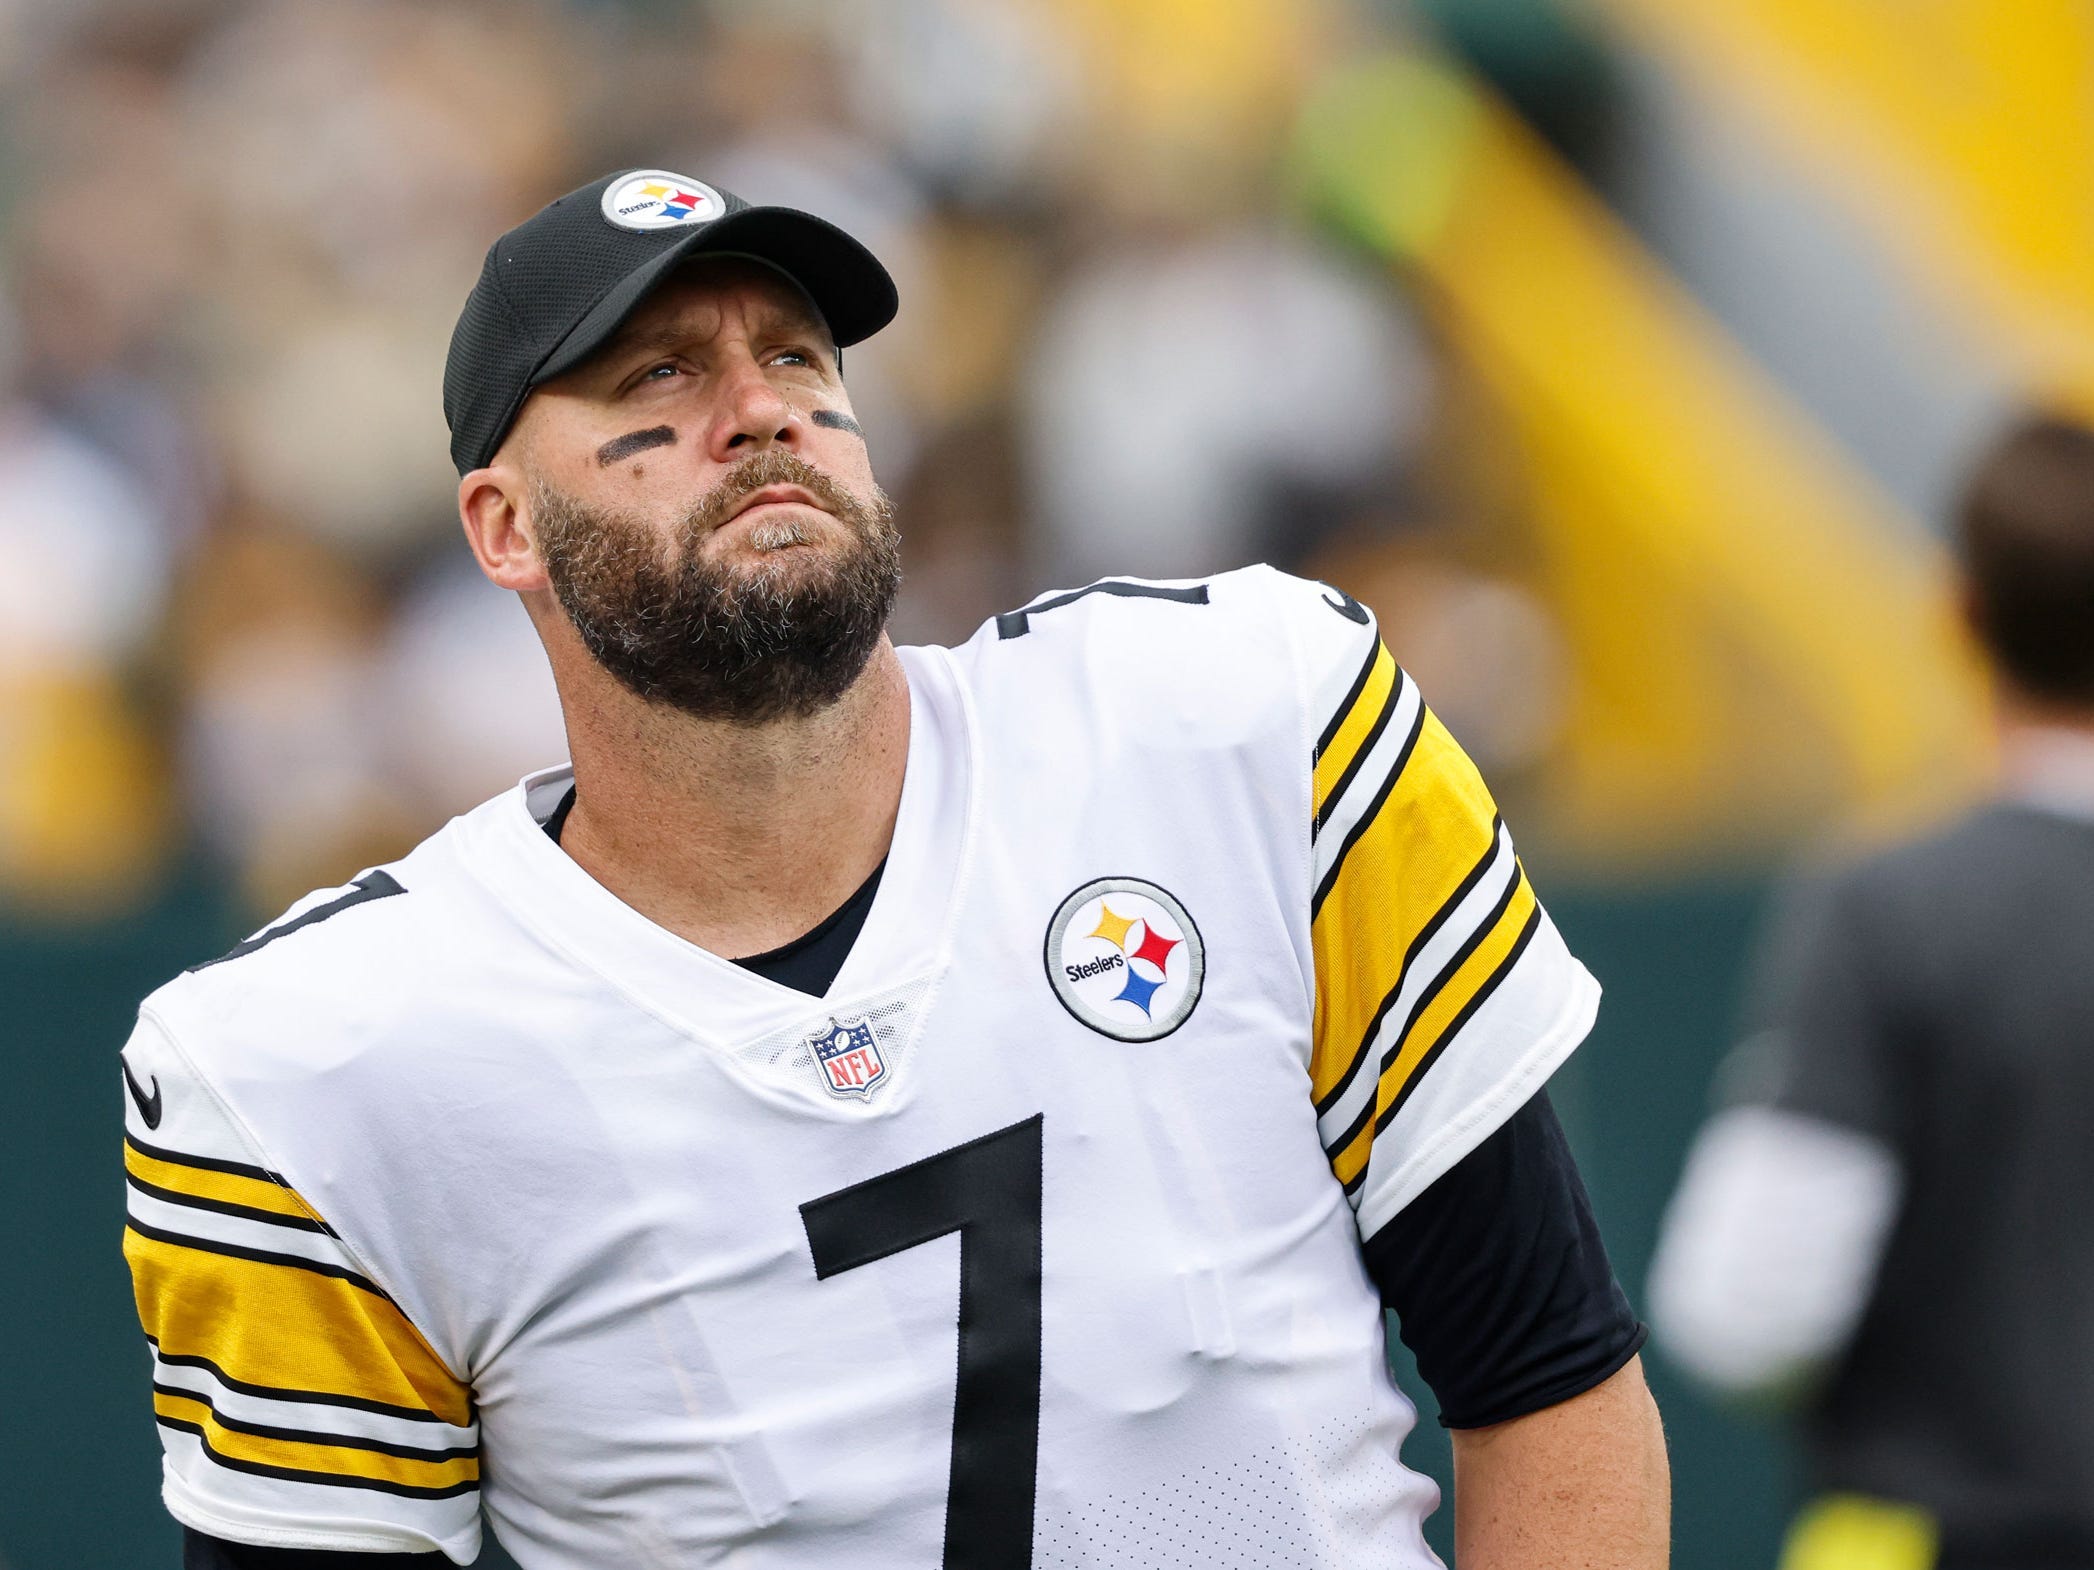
1496, 1273
1500, 1280
810, 962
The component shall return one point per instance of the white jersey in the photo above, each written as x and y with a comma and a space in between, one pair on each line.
1200, 952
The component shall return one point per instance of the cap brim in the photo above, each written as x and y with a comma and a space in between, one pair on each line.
844, 280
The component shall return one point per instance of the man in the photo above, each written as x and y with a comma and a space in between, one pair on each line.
885, 1108
1888, 1226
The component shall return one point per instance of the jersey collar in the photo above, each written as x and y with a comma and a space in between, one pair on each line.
907, 932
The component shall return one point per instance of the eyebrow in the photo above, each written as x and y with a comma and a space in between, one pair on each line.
634, 442
662, 337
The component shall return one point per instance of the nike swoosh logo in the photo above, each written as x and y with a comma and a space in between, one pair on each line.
148, 1106
1345, 605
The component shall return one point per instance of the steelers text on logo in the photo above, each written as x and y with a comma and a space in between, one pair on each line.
656, 199
1124, 957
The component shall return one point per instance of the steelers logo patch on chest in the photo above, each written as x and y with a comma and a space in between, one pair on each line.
1125, 958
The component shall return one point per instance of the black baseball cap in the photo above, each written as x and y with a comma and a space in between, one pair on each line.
557, 286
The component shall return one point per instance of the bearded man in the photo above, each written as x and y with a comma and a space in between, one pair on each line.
896, 1108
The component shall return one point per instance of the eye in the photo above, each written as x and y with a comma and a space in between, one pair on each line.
797, 357
654, 371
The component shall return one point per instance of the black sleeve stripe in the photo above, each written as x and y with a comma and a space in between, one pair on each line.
203, 1163
1468, 1011
1440, 917
226, 1207
1352, 696
259, 1255
372, 885
1381, 797
1359, 757
331, 1479
305, 1436
412, 1414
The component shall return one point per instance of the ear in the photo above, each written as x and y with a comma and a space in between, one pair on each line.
492, 507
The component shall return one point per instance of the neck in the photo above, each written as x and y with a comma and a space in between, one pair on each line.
736, 838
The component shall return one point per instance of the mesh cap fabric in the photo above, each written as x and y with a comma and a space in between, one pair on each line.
556, 287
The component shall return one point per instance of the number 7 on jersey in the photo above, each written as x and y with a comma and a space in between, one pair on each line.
988, 1191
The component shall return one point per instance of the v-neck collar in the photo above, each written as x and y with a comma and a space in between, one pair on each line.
907, 933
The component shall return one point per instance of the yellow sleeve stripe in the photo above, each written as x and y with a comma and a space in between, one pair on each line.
1349, 1161
307, 1457
1358, 727
1453, 1000
249, 1191
286, 1323
1411, 862
1375, 973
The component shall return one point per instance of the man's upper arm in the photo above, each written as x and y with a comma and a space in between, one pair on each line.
1771, 1242
1444, 995
297, 1405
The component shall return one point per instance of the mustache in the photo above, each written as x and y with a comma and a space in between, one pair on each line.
772, 466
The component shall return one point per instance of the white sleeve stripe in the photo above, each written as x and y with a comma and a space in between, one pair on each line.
1390, 704
1352, 808
276, 1240
167, 1363
227, 1416
261, 1256
1435, 954
1343, 706
1468, 1011
343, 1420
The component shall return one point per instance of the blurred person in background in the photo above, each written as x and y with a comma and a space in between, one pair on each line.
607, 1129
1887, 1228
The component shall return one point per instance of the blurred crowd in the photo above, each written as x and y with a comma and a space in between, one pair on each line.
236, 617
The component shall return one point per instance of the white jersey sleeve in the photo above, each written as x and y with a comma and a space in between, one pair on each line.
297, 1406
1444, 996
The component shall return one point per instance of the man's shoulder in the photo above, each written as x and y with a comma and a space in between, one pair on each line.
1255, 642
1995, 844
340, 959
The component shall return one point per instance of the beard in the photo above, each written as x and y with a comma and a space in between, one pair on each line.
746, 643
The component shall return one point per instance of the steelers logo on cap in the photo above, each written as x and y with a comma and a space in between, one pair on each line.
1124, 957
656, 199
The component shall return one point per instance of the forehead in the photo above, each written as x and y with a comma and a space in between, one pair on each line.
711, 295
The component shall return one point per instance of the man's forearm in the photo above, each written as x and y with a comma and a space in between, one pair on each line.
1578, 1486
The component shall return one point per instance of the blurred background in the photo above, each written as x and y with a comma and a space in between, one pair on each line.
1624, 355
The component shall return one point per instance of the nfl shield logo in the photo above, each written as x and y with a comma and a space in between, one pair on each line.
848, 1055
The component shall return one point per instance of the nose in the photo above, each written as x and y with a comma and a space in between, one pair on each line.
752, 414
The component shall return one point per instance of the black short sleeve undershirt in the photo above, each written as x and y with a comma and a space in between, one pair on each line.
1500, 1281
210, 1553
